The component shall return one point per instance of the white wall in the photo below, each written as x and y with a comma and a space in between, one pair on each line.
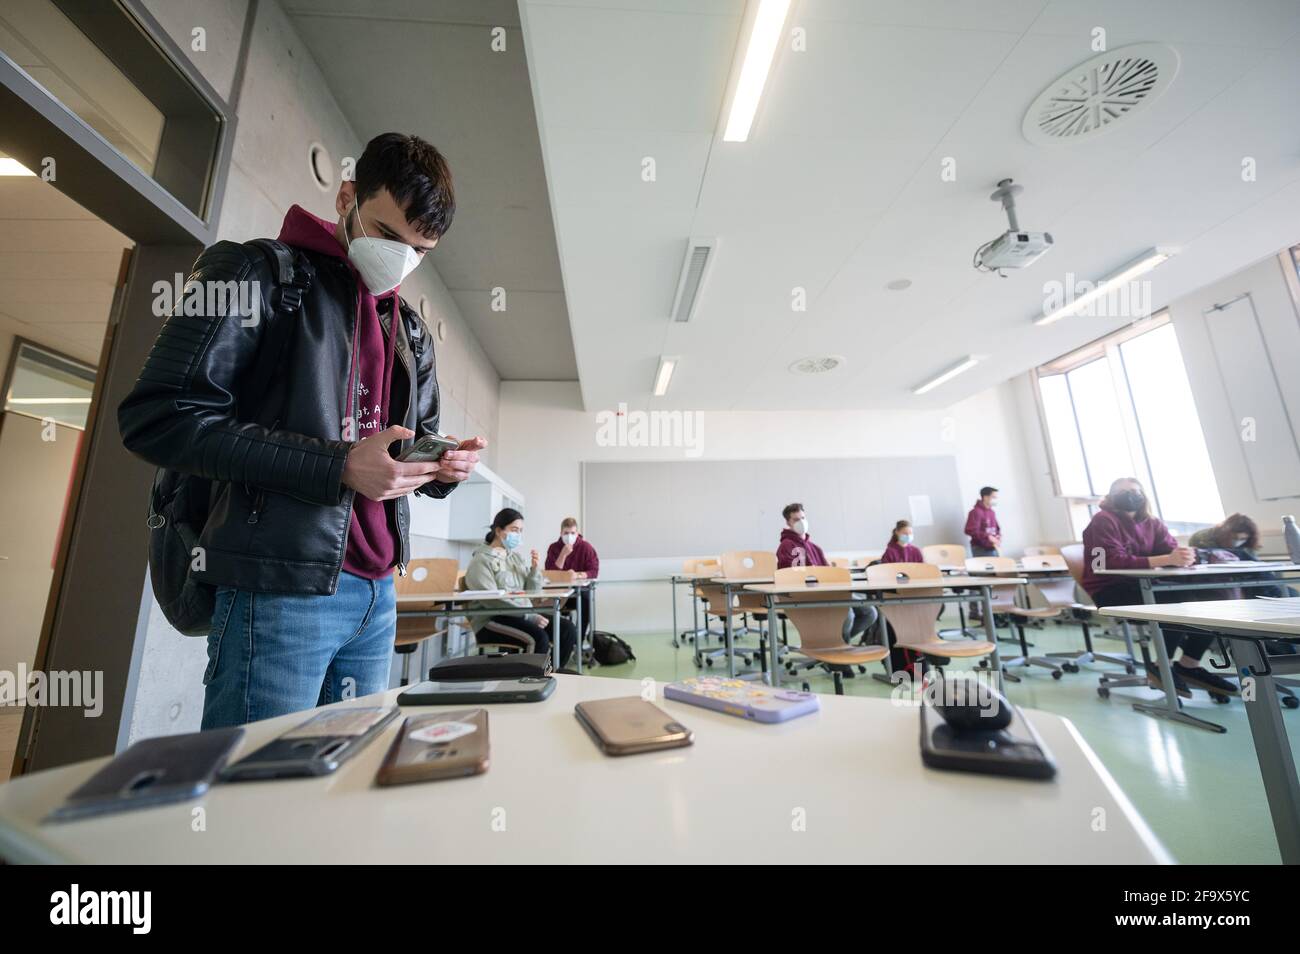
546, 435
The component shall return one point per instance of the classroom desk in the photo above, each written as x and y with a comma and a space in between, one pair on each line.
1245, 624
1203, 576
691, 578
787, 594
589, 585
461, 604
843, 785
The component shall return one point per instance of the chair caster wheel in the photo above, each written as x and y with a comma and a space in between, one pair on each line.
862, 669
708, 662
1056, 674
1070, 667
1291, 702
1220, 699
1131, 669
1103, 692
807, 687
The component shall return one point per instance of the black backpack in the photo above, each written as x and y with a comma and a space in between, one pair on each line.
179, 503
610, 650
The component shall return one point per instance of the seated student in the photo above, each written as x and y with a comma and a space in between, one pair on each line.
1123, 535
900, 548
1237, 533
573, 552
498, 565
797, 549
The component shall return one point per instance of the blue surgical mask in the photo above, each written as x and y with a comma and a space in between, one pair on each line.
904, 538
513, 539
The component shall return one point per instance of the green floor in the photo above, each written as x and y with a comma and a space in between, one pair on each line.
1199, 791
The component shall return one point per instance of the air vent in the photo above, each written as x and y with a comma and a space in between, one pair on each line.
699, 256
1099, 94
818, 365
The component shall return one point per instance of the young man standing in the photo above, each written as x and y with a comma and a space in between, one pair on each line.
293, 414
797, 549
982, 524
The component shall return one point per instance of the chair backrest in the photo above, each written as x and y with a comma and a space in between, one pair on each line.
739, 564
841, 561
693, 564
427, 575
944, 554
1042, 550
914, 624
1002, 596
1046, 561
560, 576
1072, 554
822, 574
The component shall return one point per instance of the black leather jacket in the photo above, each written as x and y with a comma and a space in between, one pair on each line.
257, 406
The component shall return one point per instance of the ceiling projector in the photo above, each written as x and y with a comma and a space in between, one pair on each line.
1014, 248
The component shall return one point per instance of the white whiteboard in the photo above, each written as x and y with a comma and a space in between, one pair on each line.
690, 508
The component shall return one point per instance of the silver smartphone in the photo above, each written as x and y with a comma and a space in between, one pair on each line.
427, 449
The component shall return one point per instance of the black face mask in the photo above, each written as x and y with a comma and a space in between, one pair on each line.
1129, 501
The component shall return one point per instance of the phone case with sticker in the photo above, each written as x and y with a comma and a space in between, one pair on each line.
436, 746
741, 698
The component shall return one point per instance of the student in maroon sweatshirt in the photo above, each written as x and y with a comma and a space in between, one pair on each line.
1123, 535
901, 549
797, 549
573, 552
982, 524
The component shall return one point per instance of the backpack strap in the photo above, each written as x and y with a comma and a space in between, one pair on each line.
292, 281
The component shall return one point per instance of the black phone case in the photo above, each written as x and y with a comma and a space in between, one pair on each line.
302, 757
413, 697
159, 771
492, 666
1016, 751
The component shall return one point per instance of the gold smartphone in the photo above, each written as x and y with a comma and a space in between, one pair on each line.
628, 725
436, 746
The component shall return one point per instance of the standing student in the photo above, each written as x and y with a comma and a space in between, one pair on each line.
900, 548
1123, 535
982, 524
499, 565
295, 419
573, 552
796, 548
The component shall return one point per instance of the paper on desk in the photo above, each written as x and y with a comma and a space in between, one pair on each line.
481, 593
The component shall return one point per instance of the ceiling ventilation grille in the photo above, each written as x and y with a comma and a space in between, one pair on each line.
699, 256
816, 365
1095, 96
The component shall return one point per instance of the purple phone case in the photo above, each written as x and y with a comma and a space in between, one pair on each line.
747, 700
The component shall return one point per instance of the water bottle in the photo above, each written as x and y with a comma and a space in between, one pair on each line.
1292, 535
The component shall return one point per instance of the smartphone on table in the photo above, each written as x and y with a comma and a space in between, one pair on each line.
625, 726
437, 745
427, 449
315, 747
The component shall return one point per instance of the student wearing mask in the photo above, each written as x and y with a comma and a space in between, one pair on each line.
900, 548
573, 552
796, 548
295, 415
499, 564
1123, 535
1237, 533
982, 524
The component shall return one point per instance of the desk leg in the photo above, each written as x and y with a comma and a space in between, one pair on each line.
555, 634
1272, 750
1171, 708
577, 615
672, 588
731, 656
882, 636
992, 632
773, 642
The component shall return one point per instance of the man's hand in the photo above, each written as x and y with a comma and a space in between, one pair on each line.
535, 559
372, 472
456, 465
541, 620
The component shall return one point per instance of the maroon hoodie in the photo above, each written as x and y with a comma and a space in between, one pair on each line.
583, 559
797, 549
372, 541
1119, 542
980, 522
897, 552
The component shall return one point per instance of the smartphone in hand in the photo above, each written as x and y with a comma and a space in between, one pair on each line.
428, 449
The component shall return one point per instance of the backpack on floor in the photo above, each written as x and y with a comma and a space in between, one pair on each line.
610, 650
179, 503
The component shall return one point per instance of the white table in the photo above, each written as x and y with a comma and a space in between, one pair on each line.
845, 784
1245, 624
464, 604
1203, 576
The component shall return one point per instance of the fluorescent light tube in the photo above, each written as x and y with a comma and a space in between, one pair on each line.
965, 364
12, 167
769, 23
664, 375
1139, 266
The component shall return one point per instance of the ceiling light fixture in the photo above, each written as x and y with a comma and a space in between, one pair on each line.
769, 23
664, 375
12, 167
1139, 266
965, 364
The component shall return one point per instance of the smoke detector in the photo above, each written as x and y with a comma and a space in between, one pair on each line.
1100, 93
816, 365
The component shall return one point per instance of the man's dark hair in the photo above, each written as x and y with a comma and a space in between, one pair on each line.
789, 509
985, 491
417, 176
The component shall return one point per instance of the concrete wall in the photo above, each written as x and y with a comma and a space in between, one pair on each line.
283, 107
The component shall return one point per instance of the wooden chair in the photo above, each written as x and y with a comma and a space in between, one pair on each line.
707, 566
948, 554
914, 624
484, 642
1072, 554
737, 564
1045, 549
1004, 602
1059, 593
821, 629
843, 562
426, 575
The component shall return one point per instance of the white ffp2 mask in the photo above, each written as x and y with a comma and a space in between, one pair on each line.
569, 539
382, 263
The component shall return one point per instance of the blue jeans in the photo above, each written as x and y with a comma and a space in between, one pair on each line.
274, 653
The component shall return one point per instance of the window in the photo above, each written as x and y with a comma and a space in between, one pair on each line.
48, 386
1123, 407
